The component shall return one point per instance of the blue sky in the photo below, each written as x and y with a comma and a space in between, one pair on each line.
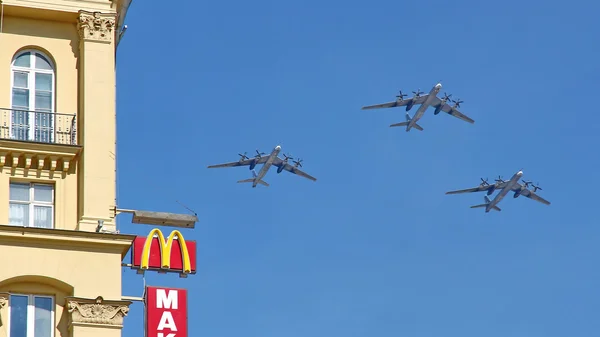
374, 247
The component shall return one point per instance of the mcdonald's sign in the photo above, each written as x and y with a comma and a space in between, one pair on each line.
173, 254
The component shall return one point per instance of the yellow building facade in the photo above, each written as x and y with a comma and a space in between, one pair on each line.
60, 273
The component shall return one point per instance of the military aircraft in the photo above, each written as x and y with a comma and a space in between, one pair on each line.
426, 101
504, 187
267, 161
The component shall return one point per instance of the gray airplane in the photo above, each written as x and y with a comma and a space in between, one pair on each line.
504, 187
271, 160
426, 101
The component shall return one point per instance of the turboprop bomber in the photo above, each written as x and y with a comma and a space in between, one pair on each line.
504, 187
425, 101
270, 160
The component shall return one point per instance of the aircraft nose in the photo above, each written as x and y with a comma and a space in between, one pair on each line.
439, 86
520, 173
277, 147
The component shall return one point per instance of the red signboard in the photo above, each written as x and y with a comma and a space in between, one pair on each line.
166, 312
173, 254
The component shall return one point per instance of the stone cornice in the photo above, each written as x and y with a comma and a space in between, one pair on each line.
96, 26
38, 156
96, 311
66, 239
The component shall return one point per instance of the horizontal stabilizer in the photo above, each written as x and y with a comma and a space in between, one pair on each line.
496, 208
416, 126
262, 182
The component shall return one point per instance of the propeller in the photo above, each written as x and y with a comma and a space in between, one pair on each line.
536, 187
526, 183
401, 96
287, 157
499, 180
447, 97
418, 93
457, 103
243, 156
298, 163
259, 154
484, 182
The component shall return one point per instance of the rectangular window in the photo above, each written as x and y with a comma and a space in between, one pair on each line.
31, 205
31, 316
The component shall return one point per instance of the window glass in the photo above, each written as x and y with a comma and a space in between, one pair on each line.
18, 316
42, 216
42, 63
19, 192
43, 101
18, 214
43, 82
20, 98
43, 316
23, 60
20, 79
43, 192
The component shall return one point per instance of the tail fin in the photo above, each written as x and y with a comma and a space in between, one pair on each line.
408, 119
487, 201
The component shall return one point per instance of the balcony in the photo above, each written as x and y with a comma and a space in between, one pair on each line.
36, 126
38, 140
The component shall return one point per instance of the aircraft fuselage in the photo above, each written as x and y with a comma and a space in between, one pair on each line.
507, 188
432, 93
266, 165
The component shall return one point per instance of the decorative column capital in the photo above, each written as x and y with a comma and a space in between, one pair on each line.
96, 311
3, 302
96, 26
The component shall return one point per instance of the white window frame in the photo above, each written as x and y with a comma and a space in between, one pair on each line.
31, 313
31, 71
31, 202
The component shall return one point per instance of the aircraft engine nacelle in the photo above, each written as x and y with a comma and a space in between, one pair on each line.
409, 105
438, 109
252, 165
517, 194
491, 190
280, 168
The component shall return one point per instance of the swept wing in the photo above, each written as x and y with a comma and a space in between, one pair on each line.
531, 195
246, 162
450, 110
418, 100
278, 162
478, 189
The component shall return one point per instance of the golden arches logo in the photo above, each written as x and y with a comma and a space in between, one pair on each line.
165, 250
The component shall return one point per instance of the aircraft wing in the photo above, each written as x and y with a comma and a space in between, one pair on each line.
531, 195
260, 160
279, 163
418, 100
477, 189
451, 111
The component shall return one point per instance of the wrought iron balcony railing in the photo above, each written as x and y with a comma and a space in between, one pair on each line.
37, 126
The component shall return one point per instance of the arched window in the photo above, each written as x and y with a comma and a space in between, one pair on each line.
32, 75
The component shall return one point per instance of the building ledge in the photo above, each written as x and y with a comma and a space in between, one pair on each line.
38, 156
66, 239
61, 10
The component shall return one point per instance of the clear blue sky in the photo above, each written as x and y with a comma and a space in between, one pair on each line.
374, 247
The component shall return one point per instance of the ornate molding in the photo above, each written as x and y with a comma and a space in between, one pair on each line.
96, 26
3, 302
97, 311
